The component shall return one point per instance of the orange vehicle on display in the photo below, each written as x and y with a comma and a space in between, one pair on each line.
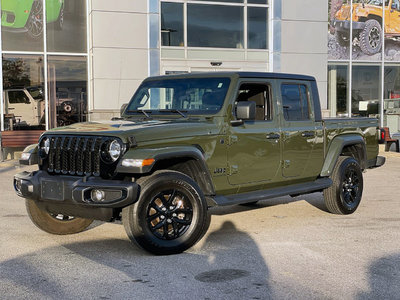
367, 24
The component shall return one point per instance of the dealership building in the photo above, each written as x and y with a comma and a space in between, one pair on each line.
67, 61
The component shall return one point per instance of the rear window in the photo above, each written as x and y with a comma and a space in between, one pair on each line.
295, 102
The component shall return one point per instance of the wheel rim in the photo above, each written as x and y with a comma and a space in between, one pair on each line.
61, 217
351, 187
169, 214
61, 17
374, 37
36, 19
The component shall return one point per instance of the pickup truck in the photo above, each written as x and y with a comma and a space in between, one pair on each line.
186, 143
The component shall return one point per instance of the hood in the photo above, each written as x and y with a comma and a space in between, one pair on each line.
142, 130
359, 9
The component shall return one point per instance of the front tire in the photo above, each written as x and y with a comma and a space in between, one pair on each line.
371, 37
344, 195
170, 216
35, 22
55, 223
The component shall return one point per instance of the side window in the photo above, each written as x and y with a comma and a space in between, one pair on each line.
260, 94
295, 102
17, 97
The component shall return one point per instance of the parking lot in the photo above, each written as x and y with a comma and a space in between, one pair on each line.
280, 248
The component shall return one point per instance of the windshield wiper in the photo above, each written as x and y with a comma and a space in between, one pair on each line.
181, 112
140, 111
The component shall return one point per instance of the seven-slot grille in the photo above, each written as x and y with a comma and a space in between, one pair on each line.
75, 155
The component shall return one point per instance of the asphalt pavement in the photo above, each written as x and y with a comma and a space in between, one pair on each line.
283, 248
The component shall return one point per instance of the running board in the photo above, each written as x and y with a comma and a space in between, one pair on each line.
296, 189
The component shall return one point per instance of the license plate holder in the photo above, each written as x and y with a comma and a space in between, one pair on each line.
52, 190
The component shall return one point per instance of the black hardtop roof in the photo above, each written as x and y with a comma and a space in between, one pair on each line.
238, 74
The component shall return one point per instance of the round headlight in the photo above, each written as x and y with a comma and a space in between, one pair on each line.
114, 150
46, 145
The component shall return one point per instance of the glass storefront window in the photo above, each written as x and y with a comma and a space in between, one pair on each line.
257, 27
391, 98
66, 26
338, 90
365, 91
171, 24
24, 105
215, 26
231, 1
67, 88
257, 1
22, 25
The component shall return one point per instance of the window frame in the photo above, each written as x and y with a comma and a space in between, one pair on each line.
244, 5
267, 84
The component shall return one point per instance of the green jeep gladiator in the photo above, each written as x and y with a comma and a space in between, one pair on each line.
186, 143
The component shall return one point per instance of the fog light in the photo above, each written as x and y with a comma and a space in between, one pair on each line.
25, 156
18, 186
97, 195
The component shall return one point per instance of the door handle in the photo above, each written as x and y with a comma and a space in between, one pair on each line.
10, 108
273, 136
308, 134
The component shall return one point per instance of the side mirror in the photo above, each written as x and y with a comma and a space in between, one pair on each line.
123, 108
245, 110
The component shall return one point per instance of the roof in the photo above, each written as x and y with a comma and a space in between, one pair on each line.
238, 74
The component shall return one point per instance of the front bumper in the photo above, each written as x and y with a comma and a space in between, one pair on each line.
344, 25
71, 195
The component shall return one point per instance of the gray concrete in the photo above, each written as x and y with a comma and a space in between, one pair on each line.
282, 248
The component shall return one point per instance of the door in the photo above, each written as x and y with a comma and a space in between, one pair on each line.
392, 18
254, 147
298, 129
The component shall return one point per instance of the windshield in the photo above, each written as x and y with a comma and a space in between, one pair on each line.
375, 2
189, 95
35, 92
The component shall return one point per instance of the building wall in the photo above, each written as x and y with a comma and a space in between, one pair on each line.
125, 49
303, 41
120, 52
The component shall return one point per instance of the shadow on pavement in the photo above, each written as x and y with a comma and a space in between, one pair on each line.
383, 278
228, 265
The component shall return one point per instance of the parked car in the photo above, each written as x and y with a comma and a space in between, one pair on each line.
188, 142
27, 15
367, 24
24, 107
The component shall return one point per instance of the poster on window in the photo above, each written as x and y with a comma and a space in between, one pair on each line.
23, 25
368, 33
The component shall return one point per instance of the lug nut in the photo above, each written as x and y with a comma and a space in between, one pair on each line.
169, 221
162, 217
171, 208
163, 209
174, 214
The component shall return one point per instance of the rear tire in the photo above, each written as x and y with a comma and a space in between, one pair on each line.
55, 223
342, 38
344, 195
170, 216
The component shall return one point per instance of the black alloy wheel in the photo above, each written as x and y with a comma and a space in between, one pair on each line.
350, 186
169, 214
344, 195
